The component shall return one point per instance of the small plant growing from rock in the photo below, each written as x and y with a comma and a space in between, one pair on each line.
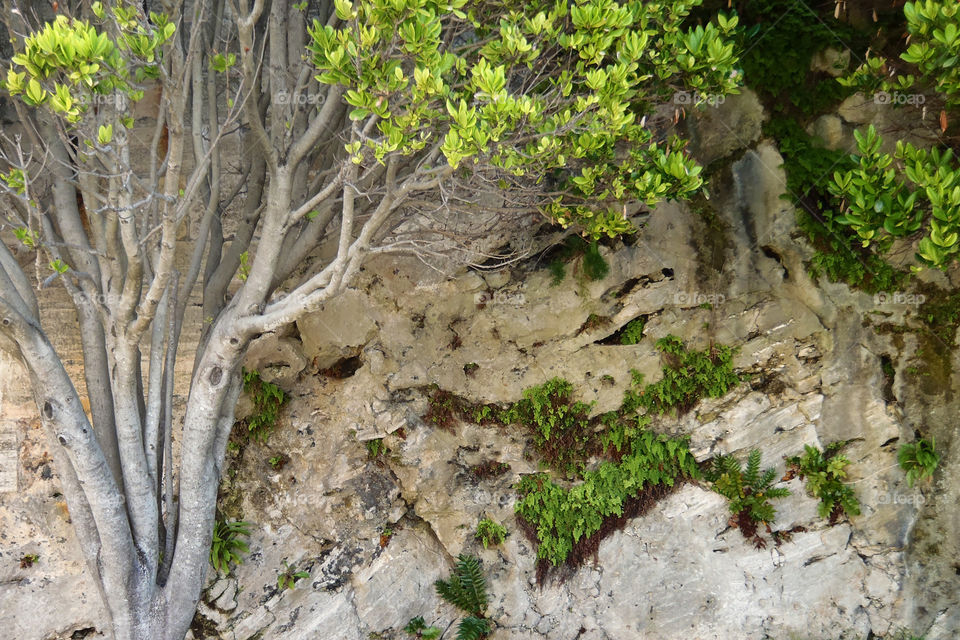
375, 448
278, 461
824, 473
470, 369
593, 322
490, 532
918, 459
267, 400
688, 376
227, 545
594, 267
558, 271
28, 560
288, 578
467, 590
419, 629
749, 492
560, 425
385, 536
633, 332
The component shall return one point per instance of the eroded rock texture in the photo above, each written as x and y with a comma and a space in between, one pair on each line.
375, 532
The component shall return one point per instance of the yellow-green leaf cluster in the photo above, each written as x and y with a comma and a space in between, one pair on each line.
535, 90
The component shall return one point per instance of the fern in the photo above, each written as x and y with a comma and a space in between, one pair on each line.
919, 460
824, 472
466, 588
749, 491
472, 628
563, 516
689, 376
419, 629
226, 545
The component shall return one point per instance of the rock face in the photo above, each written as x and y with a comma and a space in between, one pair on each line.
35, 521
723, 126
374, 503
680, 570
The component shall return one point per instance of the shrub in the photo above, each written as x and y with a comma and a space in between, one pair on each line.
918, 459
824, 473
779, 38
880, 205
838, 254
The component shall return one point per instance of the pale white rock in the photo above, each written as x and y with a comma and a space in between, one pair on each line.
728, 124
340, 326
497, 279
832, 61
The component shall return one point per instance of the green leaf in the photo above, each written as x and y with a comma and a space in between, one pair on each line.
105, 134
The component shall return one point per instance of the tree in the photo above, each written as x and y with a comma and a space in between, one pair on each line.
363, 128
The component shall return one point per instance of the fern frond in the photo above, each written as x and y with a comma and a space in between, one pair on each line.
473, 584
752, 474
779, 492
450, 591
466, 588
766, 479
472, 628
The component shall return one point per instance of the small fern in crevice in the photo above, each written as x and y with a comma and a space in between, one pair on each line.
633, 331
824, 472
267, 400
918, 459
467, 590
490, 532
749, 492
227, 546
419, 629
